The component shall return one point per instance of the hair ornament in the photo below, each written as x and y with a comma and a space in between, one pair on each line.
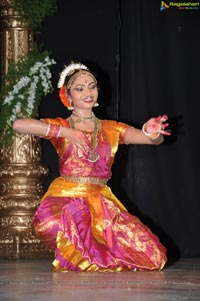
69, 70
64, 99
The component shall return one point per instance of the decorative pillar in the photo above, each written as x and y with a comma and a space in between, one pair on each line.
21, 169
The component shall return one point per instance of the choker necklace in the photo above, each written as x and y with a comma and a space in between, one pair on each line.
83, 118
92, 156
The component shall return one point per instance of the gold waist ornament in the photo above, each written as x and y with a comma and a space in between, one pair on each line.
86, 180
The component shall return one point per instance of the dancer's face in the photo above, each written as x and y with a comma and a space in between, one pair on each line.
84, 92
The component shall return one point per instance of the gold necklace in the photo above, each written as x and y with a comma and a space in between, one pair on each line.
82, 118
93, 156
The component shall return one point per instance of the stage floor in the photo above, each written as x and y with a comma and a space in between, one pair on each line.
31, 280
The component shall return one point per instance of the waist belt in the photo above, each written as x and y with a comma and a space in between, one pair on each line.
86, 180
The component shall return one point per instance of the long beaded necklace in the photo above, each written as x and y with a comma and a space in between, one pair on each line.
93, 156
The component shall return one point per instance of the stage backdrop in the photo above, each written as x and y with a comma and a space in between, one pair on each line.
147, 62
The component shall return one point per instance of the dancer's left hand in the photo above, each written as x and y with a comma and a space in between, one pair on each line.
158, 125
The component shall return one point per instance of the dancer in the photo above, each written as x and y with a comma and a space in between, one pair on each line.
79, 217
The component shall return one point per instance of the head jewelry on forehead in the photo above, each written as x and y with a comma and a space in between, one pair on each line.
77, 74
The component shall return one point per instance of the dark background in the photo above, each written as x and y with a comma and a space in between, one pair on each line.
147, 62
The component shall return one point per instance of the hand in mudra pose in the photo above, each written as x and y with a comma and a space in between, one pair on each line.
157, 125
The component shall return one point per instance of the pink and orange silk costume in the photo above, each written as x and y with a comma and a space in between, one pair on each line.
81, 219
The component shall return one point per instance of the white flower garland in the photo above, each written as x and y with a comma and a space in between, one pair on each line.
68, 70
26, 89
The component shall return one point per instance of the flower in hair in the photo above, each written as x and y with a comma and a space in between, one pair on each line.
63, 97
68, 70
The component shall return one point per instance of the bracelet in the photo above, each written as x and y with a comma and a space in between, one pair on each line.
48, 129
53, 131
58, 134
150, 135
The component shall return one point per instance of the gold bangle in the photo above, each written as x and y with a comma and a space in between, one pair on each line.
150, 135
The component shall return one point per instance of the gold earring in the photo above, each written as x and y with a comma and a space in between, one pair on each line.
71, 106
